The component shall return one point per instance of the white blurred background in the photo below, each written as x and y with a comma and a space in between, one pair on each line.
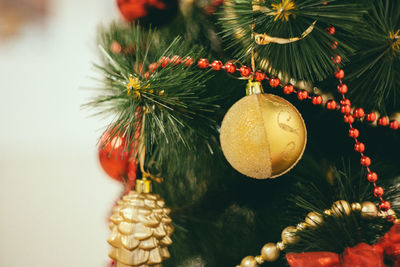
54, 197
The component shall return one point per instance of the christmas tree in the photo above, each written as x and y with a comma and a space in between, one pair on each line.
268, 128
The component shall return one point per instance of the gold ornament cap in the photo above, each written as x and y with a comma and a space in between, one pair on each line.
143, 186
254, 88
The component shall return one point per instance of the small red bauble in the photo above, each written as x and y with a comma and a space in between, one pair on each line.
365, 161
230, 67
360, 147
188, 61
176, 60
345, 109
274, 82
372, 177
216, 65
152, 67
385, 205
331, 104
203, 63
147, 75
337, 59
371, 117
331, 30
359, 113
316, 100
245, 71
164, 61
345, 101
383, 121
394, 125
353, 132
115, 47
259, 76
302, 94
334, 45
348, 118
288, 89
378, 191
339, 74
113, 156
342, 88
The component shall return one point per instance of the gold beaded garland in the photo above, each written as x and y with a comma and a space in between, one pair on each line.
314, 219
249, 261
270, 252
289, 235
356, 206
368, 210
340, 208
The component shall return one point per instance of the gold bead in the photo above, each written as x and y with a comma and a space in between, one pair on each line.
248, 261
289, 235
270, 252
301, 226
314, 219
356, 206
368, 210
328, 212
341, 207
385, 214
259, 259
281, 245
263, 136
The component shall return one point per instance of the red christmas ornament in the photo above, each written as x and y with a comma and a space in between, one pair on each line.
288, 89
203, 63
359, 147
216, 65
342, 88
359, 113
302, 94
331, 104
372, 177
371, 117
274, 82
115, 47
317, 100
259, 76
245, 71
230, 67
385, 205
339, 74
113, 156
378, 191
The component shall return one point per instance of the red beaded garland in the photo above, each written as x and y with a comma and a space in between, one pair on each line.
383, 121
334, 45
274, 82
259, 76
360, 147
203, 63
115, 47
288, 89
216, 65
359, 113
339, 74
394, 125
331, 30
345, 101
188, 61
372, 177
316, 100
245, 71
342, 88
378, 191
371, 117
365, 161
353, 132
331, 104
230, 67
164, 61
152, 67
176, 60
337, 59
348, 118
302, 94
385, 205
345, 109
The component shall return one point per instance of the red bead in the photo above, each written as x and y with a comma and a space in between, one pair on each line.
339, 74
385, 205
345, 102
378, 191
188, 61
230, 67
336, 59
259, 76
203, 63
331, 104
176, 60
372, 177
152, 67
334, 45
164, 61
383, 121
365, 161
342, 88
302, 94
359, 113
245, 71
394, 125
353, 132
331, 30
345, 109
274, 82
324, 3
316, 100
147, 75
216, 65
348, 118
371, 117
288, 89
360, 147
115, 47
113, 155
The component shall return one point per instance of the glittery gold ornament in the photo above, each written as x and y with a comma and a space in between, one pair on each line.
140, 229
262, 135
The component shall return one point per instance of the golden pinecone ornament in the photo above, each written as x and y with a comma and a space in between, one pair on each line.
140, 229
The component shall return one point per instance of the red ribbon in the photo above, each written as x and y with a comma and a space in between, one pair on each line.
386, 251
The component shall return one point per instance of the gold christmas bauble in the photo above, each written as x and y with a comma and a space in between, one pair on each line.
140, 231
270, 252
263, 136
